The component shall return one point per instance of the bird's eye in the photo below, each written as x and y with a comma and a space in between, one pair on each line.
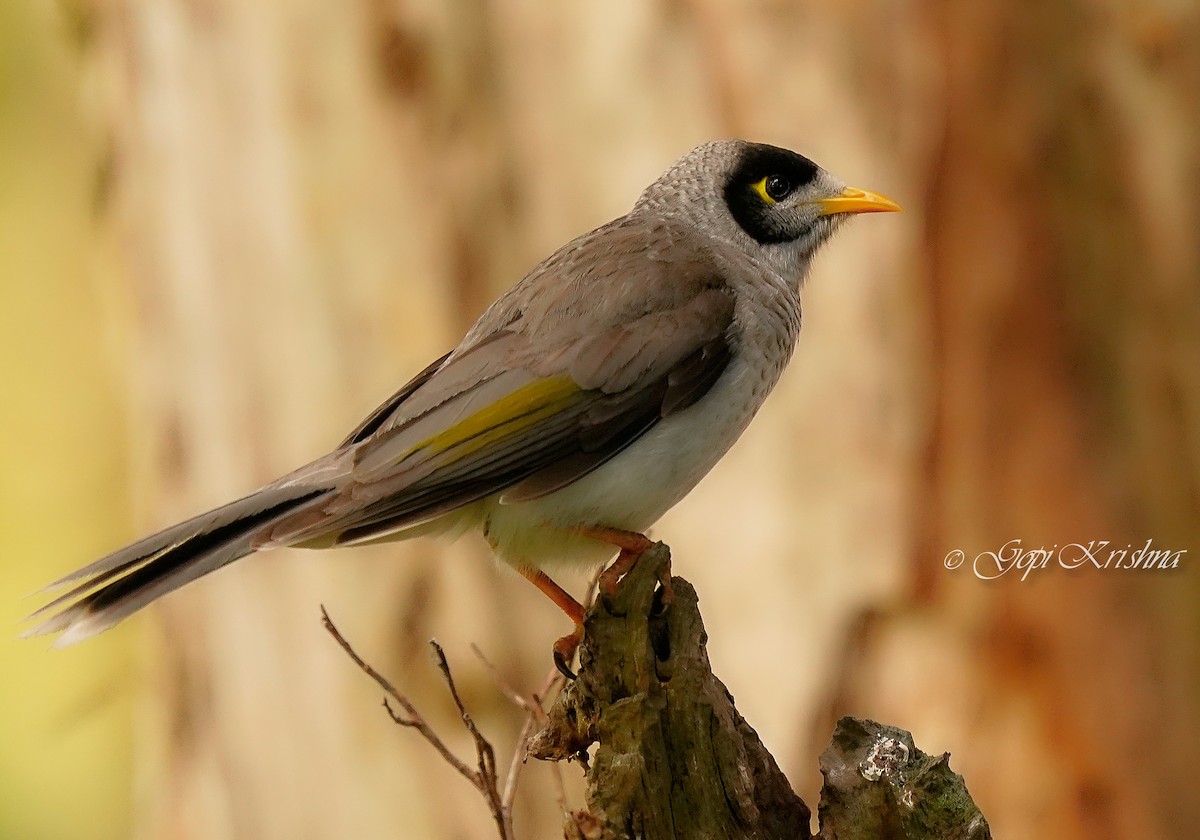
773, 188
778, 187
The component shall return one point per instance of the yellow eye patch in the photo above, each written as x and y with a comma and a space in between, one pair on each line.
760, 187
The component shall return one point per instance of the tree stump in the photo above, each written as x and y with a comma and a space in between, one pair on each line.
674, 759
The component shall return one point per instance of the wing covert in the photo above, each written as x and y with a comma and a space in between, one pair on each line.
539, 402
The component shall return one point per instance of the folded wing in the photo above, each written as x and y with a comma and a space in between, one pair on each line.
524, 431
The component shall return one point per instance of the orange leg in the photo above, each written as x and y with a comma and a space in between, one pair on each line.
565, 647
632, 545
625, 540
555, 593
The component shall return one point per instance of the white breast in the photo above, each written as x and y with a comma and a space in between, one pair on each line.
640, 484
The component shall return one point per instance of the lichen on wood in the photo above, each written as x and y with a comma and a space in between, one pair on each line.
878, 785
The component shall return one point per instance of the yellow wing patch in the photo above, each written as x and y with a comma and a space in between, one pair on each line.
522, 408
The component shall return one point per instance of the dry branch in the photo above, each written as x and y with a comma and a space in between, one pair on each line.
485, 778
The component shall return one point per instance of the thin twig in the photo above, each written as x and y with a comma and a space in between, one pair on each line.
484, 779
484, 754
593, 588
515, 764
534, 713
553, 680
526, 703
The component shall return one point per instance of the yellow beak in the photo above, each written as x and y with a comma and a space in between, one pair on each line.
851, 200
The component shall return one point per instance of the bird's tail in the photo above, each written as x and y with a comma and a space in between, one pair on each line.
114, 587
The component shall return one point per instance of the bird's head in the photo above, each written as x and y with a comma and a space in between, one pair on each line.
774, 203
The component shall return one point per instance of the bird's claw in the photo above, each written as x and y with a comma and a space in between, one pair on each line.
564, 651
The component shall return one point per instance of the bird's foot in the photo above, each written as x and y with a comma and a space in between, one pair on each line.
632, 545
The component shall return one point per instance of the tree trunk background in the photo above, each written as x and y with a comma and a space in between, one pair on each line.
300, 204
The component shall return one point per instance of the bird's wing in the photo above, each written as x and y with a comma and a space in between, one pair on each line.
579, 365
379, 416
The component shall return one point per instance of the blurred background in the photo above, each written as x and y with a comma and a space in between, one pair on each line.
228, 230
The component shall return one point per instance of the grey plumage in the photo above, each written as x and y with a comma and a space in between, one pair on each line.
658, 335
128, 579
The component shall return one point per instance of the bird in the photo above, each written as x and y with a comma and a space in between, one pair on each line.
582, 404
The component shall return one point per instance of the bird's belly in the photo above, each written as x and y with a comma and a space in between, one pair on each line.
634, 489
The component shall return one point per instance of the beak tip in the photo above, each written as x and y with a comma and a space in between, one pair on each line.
854, 200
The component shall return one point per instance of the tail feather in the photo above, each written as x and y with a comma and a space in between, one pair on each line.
123, 582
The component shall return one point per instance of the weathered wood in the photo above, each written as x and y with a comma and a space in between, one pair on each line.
879, 786
674, 759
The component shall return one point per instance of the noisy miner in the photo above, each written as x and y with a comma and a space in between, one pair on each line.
580, 407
